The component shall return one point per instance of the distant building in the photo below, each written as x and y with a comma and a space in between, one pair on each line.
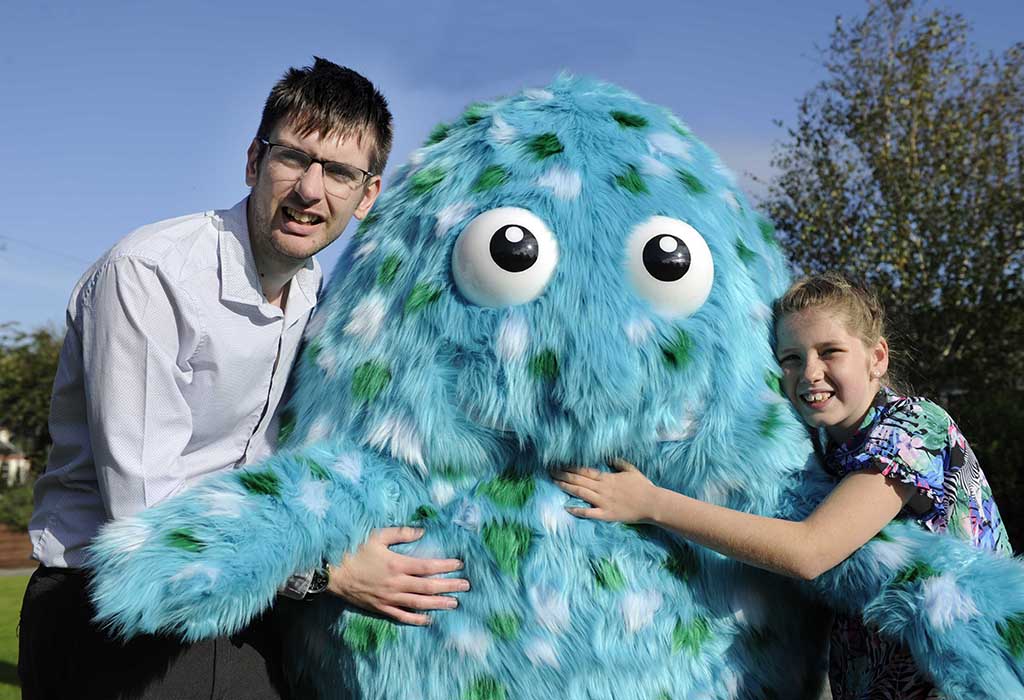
14, 465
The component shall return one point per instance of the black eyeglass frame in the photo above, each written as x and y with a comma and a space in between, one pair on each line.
367, 175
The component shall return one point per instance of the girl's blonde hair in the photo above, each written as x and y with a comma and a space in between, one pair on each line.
859, 307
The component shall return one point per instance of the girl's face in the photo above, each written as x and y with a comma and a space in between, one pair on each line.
829, 374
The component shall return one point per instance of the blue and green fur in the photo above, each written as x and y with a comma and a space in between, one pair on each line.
412, 405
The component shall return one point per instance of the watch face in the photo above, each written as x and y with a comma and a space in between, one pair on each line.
318, 584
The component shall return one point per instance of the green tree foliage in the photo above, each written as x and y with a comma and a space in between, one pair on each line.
28, 363
905, 167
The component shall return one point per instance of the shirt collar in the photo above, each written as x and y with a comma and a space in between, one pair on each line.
240, 280
882, 398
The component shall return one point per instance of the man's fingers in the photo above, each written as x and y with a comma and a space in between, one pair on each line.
414, 566
405, 616
571, 477
578, 491
395, 535
621, 465
434, 586
584, 471
426, 602
589, 513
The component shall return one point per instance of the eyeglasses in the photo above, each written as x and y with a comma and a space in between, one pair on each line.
340, 179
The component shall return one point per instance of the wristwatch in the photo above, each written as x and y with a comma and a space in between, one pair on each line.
318, 584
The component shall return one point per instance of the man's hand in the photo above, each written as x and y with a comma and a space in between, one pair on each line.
387, 583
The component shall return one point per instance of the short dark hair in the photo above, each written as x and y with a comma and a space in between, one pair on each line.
333, 101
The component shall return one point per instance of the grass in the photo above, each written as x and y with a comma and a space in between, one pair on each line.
12, 588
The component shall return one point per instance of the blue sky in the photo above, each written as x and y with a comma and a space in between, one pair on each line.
118, 114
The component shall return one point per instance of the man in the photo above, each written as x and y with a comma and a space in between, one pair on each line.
179, 341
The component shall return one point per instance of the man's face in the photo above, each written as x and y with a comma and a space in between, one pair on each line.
291, 219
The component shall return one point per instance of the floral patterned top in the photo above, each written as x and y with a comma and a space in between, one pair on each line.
912, 440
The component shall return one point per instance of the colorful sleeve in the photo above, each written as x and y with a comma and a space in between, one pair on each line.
910, 443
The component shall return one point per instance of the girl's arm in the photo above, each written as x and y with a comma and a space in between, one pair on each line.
854, 512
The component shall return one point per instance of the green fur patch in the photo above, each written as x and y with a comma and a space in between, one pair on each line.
678, 351
284, 432
681, 130
438, 134
883, 536
774, 383
629, 121
475, 112
452, 472
486, 688
369, 220
608, 575
389, 270
260, 483
1012, 632
544, 365
691, 182
917, 571
682, 562
422, 294
632, 181
663, 695
424, 513
492, 176
771, 421
690, 636
183, 538
316, 469
767, 230
509, 490
365, 634
508, 544
426, 180
545, 146
504, 625
369, 379
746, 254
313, 351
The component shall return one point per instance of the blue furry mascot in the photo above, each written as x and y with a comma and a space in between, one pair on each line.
555, 278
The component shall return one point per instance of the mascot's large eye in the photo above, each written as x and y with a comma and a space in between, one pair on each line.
504, 257
670, 265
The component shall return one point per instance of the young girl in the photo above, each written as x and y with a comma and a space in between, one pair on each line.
891, 455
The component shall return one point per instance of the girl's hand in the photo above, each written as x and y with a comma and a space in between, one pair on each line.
625, 495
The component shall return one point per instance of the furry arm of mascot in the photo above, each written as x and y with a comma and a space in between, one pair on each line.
558, 277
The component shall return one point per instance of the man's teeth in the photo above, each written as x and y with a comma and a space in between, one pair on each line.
815, 398
301, 217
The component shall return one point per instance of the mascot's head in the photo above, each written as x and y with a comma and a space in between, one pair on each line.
566, 273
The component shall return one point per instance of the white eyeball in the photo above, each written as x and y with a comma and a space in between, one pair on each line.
670, 266
504, 257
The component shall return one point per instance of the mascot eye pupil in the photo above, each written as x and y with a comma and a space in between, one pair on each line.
666, 257
514, 248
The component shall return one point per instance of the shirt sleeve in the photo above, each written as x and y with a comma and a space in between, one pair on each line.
138, 331
909, 443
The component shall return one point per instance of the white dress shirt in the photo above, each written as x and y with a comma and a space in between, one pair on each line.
172, 368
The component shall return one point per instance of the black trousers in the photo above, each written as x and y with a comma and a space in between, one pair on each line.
62, 654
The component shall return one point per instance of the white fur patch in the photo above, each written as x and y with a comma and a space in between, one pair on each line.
723, 171
638, 330
350, 466
541, 652
224, 504
638, 609
320, 429
364, 250
945, 603
730, 198
399, 437
451, 216
513, 337
468, 516
683, 429
367, 318
550, 607
130, 534
892, 556
501, 131
670, 144
538, 94
417, 157
654, 167
760, 311
564, 183
327, 361
196, 570
442, 493
471, 642
313, 495
555, 519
